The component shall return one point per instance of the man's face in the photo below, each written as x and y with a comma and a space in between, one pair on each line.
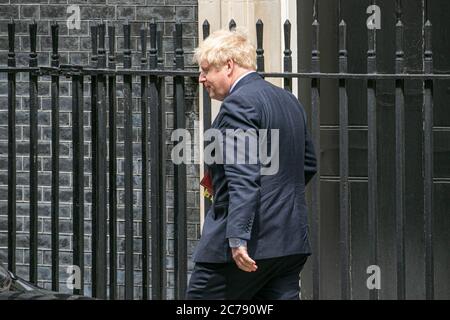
216, 81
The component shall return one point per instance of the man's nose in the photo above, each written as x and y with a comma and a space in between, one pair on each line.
201, 78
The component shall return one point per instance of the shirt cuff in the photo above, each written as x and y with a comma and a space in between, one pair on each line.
237, 242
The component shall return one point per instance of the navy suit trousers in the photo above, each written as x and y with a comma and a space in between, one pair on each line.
275, 279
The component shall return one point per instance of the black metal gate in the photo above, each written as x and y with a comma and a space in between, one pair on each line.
103, 73
377, 99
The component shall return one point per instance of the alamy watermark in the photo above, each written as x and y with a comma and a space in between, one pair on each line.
374, 20
74, 20
230, 146
374, 281
74, 279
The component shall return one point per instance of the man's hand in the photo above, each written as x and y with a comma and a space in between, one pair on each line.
242, 259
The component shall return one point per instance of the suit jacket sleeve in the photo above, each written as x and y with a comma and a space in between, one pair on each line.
243, 179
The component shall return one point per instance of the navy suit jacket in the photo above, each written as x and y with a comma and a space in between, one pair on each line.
269, 211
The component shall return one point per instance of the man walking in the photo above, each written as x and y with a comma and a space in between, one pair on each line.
254, 240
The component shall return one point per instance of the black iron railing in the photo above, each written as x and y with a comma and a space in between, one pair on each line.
103, 73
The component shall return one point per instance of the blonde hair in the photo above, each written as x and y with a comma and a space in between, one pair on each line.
224, 45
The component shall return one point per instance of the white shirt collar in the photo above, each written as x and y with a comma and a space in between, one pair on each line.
239, 79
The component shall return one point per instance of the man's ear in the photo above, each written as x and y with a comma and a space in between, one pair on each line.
230, 66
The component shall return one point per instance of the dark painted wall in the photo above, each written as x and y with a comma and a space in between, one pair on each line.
354, 14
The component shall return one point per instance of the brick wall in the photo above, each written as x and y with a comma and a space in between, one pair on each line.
75, 46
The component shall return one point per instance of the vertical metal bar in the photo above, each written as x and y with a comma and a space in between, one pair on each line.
160, 52
157, 166
316, 10
343, 166
339, 11
94, 62
11, 150
259, 46
315, 183
287, 54
372, 157
112, 167
55, 160
232, 25
428, 165
144, 141
398, 10
400, 163
33, 155
180, 175
157, 190
99, 269
94, 44
78, 176
162, 219
98, 114
153, 50
128, 126
206, 109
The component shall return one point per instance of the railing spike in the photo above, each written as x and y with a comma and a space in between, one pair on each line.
259, 46
287, 54
205, 29
232, 25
